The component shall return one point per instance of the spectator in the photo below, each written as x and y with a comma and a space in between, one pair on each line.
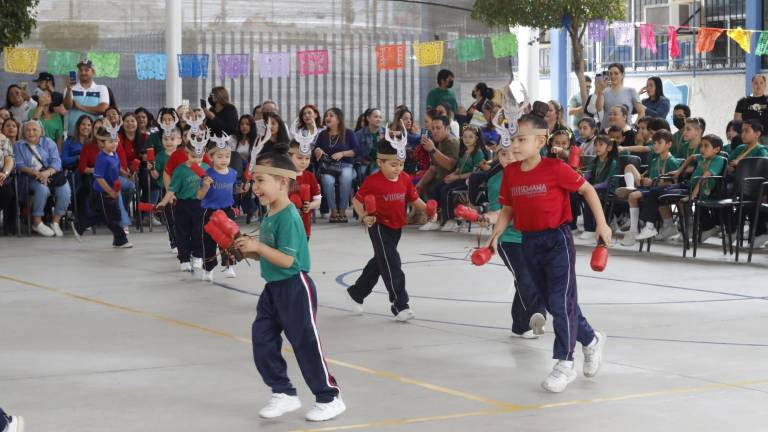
733, 134
554, 117
4, 115
369, 133
85, 96
52, 121
610, 92
45, 81
38, 159
73, 146
309, 118
245, 137
11, 128
576, 107
145, 121
222, 117
754, 106
269, 106
443, 149
491, 136
656, 104
680, 113
335, 150
7, 190
18, 102
444, 109
257, 112
482, 95
130, 139
278, 138
618, 117
442, 94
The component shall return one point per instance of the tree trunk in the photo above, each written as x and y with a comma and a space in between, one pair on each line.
578, 61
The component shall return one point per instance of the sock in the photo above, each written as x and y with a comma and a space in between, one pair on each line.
566, 363
634, 218
629, 179
649, 225
667, 222
593, 343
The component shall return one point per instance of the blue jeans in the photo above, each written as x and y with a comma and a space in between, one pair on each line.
328, 182
41, 193
126, 190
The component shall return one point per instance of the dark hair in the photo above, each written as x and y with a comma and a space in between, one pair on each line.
400, 112
659, 88
444, 74
102, 133
150, 117
8, 95
685, 108
589, 121
318, 121
551, 140
624, 110
76, 132
755, 125
122, 127
166, 111
613, 154
485, 91
536, 121
446, 107
643, 120
735, 125
713, 139
340, 115
615, 129
18, 128
251, 138
282, 133
112, 108
385, 148
700, 123
663, 135
587, 78
362, 120
278, 159
432, 113
618, 66
479, 141
540, 109
442, 119
657, 124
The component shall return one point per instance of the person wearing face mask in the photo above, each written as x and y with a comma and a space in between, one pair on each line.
222, 116
480, 94
442, 94
679, 113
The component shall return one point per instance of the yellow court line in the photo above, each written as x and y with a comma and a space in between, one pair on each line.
185, 324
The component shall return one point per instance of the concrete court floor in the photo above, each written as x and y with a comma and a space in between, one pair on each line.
94, 339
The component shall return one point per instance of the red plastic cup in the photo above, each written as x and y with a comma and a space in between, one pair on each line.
370, 204
304, 192
236, 211
197, 169
135, 165
466, 213
247, 174
150, 155
117, 186
599, 258
431, 208
481, 256
146, 207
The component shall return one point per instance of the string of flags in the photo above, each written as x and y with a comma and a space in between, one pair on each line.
152, 66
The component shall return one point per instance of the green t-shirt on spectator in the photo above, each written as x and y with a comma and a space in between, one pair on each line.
659, 167
284, 231
469, 162
510, 235
756, 151
53, 127
438, 96
714, 166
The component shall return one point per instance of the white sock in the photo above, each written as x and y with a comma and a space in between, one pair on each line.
667, 222
593, 343
634, 218
566, 363
629, 179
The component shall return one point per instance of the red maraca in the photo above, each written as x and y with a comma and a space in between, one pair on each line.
304, 193
481, 256
574, 157
431, 208
197, 169
146, 207
467, 213
599, 257
236, 211
370, 204
117, 186
247, 174
135, 165
150, 155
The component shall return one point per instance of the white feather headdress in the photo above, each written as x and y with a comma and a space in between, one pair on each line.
398, 144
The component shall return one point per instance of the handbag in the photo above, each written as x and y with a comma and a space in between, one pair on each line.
329, 166
57, 179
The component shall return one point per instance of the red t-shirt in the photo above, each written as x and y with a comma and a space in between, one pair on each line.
88, 156
178, 157
540, 197
129, 146
391, 197
314, 191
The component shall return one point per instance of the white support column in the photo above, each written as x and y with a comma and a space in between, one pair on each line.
528, 61
172, 49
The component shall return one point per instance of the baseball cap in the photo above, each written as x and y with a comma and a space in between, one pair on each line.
85, 62
44, 76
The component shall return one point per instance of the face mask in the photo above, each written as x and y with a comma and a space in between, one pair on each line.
450, 84
679, 122
210, 100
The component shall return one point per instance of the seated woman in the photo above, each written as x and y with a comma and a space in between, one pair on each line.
73, 146
278, 133
618, 117
7, 190
369, 132
335, 150
38, 160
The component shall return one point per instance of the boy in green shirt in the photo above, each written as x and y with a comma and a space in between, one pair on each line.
528, 313
171, 142
751, 133
288, 302
662, 163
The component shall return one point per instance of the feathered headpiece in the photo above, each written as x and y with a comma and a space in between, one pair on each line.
305, 138
199, 141
397, 143
194, 124
113, 130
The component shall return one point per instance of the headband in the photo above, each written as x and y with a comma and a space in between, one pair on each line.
526, 131
168, 128
199, 142
385, 156
221, 142
194, 124
397, 143
263, 169
113, 130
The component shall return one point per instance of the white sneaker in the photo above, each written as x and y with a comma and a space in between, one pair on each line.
623, 192
185, 267
449, 226
587, 235
156, 222
15, 424
527, 335
761, 240
593, 356
629, 239
462, 228
229, 272
667, 232
537, 323
43, 229
430, 226
280, 404
405, 315
126, 245
559, 378
197, 263
357, 308
175, 251
127, 230
57, 230
206, 276
647, 232
326, 411
711, 233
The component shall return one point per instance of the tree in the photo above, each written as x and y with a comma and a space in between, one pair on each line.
17, 20
573, 15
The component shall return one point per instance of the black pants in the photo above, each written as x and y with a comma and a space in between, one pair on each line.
526, 302
189, 227
290, 306
445, 203
385, 263
480, 178
3, 419
8, 206
170, 223
209, 245
110, 211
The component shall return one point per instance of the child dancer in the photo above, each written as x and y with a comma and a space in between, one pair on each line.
171, 142
183, 189
392, 189
534, 192
289, 300
217, 192
528, 312
301, 153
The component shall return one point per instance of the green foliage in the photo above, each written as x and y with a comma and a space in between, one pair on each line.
546, 14
69, 36
17, 19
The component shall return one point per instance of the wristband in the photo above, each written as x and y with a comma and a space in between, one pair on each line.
433, 151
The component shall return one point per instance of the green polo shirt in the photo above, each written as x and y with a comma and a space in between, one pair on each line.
714, 166
284, 231
756, 151
658, 166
